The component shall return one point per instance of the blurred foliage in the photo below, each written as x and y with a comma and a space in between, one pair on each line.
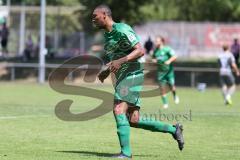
122, 10
38, 2
66, 23
139, 11
194, 10
160, 10
208, 10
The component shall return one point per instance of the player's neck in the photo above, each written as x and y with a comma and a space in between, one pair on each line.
109, 26
161, 47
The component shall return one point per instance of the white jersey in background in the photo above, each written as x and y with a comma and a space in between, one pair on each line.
226, 60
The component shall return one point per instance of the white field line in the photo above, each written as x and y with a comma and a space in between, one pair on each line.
22, 117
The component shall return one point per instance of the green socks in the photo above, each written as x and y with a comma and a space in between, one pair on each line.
155, 126
164, 99
123, 131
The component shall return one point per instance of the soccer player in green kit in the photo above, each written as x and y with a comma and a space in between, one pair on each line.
123, 49
164, 56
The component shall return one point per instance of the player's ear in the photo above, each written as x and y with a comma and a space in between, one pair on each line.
104, 15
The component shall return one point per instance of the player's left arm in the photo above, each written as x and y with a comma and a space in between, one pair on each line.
235, 68
137, 51
173, 57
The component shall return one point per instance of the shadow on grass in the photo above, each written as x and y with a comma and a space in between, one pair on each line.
87, 153
100, 154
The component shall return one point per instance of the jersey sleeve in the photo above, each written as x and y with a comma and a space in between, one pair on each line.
130, 35
171, 52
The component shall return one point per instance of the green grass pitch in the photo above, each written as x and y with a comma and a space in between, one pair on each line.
29, 129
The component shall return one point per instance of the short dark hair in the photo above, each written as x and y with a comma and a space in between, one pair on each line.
105, 8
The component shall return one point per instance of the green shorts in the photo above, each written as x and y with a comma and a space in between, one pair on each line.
128, 89
166, 78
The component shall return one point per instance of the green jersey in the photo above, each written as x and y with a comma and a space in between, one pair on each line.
162, 55
119, 43
165, 74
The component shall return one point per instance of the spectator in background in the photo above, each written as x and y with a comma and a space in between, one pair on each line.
148, 45
4, 38
49, 47
29, 46
235, 49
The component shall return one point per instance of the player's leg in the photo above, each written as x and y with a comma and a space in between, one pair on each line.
123, 127
127, 90
231, 90
174, 92
230, 82
224, 88
154, 125
171, 82
224, 92
164, 90
147, 123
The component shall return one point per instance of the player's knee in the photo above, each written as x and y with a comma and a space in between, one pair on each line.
134, 121
117, 110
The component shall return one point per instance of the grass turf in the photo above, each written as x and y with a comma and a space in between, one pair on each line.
30, 130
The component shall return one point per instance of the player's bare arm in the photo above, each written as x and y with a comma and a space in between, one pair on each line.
172, 59
154, 60
235, 68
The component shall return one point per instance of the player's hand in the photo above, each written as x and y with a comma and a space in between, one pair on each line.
167, 62
115, 65
103, 75
154, 60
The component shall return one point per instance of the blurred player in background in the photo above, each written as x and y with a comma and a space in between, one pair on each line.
235, 49
123, 50
227, 63
164, 56
4, 33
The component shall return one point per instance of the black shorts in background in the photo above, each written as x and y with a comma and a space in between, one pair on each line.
228, 80
4, 43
